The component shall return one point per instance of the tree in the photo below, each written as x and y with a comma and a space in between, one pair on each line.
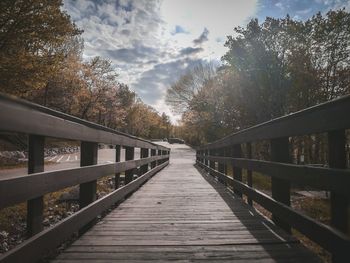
180, 95
32, 34
270, 69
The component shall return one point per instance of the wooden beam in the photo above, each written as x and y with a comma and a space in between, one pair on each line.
144, 154
35, 207
212, 162
129, 155
337, 180
153, 153
50, 181
329, 238
280, 188
87, 191
237, 171
307, 121
34, 248
206, 162
339, 203
249, 172
117, 160
159, 153
17, 115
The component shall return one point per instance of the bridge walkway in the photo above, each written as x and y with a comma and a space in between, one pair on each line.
183, 215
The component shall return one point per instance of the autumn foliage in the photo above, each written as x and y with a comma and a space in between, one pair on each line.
41, 60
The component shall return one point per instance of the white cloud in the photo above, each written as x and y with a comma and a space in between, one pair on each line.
151, 43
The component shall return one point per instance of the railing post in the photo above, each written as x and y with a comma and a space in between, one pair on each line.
227, 153
249, 172
206, 155
87, 191
221, 165
117, 160
144, 154
153, 153
339, 203
88, 156
237, 172
163, 153
212, 163
280, 188
129, 155
35, 207
159, 153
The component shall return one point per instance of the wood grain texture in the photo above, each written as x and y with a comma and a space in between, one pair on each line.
329, 116
18, 115
337, 180
327, 237
34, 185
35, 247
181, 216
35, 206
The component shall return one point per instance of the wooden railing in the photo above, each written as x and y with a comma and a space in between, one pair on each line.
332, 118
18, 116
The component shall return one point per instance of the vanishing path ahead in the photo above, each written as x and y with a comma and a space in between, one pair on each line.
181, 215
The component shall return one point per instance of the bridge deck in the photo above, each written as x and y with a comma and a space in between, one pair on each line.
180, 215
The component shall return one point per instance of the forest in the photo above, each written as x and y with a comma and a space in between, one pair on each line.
41, 54
271, 69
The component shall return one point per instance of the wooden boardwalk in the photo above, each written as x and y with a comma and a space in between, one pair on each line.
183, 216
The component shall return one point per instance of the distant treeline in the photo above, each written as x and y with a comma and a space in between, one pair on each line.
41, 61
270, 69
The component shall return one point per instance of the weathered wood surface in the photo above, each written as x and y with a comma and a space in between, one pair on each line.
179, 215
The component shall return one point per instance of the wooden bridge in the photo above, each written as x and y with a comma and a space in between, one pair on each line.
186, 209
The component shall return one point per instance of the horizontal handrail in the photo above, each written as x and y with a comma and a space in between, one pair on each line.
37, 184
38, 122
329, 179
21, 116
328, 116
331, 118
34, 248
326, 236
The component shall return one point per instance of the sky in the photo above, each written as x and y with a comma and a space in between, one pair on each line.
151, 43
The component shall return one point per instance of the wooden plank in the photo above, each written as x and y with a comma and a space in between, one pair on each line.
221, 165
206, 162
194, 219
35, 206
339, 203
154, 163
159, 153
35, 185
88, 156
327, 237
34, 248
24, 117
117, 160
204, 253
337, 180
144, 154
237, 171
324, 117
129, 155
87, 191
249, 172
280, 188
212, 162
